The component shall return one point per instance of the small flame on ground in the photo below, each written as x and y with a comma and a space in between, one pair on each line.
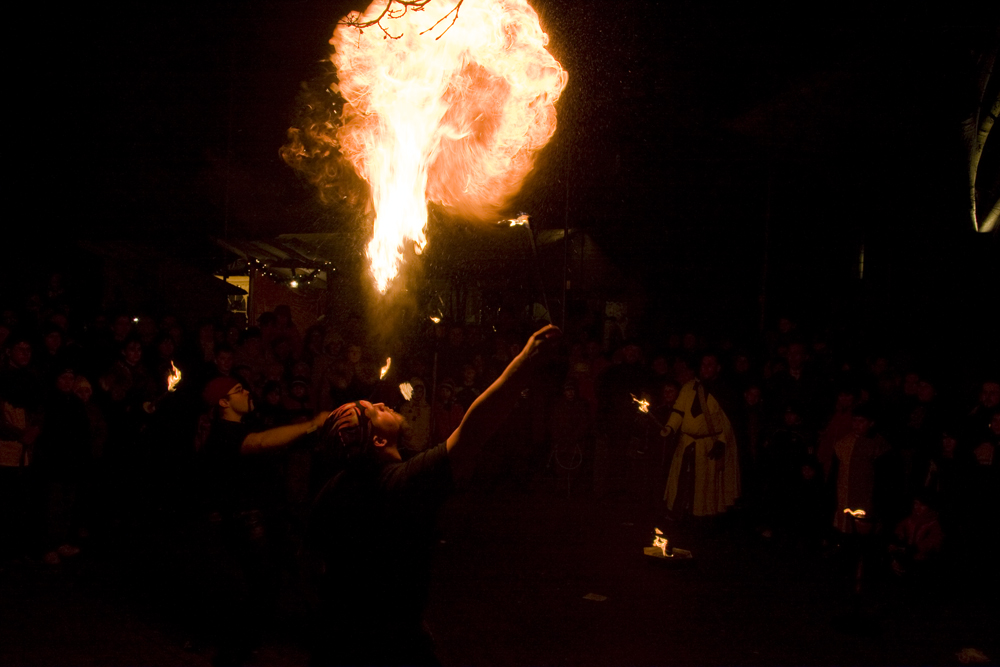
642, 404
385, 369
857, 514
173, 378
660, 541
406, 389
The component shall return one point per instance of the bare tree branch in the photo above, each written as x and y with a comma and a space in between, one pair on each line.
395, 9
454, 17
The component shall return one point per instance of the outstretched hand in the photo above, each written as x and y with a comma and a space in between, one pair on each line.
542, 342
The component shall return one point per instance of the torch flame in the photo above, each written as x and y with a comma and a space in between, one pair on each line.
453, 118
642, 404
435, 319
521, 220
385, 369
406, 389
660, 541
173, 378
857, 514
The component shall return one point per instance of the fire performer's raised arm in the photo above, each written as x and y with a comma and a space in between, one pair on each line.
492, 407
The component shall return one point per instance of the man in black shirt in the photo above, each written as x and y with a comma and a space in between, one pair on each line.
243, 494
374, 522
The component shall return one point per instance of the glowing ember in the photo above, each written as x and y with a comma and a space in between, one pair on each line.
173, 378
642, 404
435, 319
857, 514
520, 220
385, 369
454, 116
660, 541
406, 389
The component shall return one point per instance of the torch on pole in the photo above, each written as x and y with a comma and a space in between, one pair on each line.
173, 379
643, 405
524, 220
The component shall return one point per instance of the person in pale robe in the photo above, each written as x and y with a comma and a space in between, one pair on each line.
704, 477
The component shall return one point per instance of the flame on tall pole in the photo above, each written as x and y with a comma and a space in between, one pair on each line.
174, 378
406, 389
450, 111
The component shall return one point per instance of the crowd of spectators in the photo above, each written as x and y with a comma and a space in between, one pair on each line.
92, 442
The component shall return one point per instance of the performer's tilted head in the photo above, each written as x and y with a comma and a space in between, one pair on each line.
363, 427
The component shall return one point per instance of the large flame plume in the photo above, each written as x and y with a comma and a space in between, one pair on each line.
446, 113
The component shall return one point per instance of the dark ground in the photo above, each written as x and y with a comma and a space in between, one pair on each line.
511, 575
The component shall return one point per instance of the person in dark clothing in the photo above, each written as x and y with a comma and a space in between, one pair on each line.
61, 456
242, 494
380, 507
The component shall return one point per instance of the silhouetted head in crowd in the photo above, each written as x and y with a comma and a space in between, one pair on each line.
631, 354
863, 421
846, 398
283, 316
468, 375
949, 444
456, 336
792, 416
83, 389
132, 352
419, 390
121, 327
683, 372
989, 395
710, 367
660, 365
354, 353
166, 347
569, 390
52, 338
446, 390
741, 363
925, 391
272, 393
670, 393
796, 357
223, 360
146, 330
65, 381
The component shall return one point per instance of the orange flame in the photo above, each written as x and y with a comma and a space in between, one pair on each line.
642, 404
660, 541
454, 116
173, 378
385, 369
406, 389
857, 514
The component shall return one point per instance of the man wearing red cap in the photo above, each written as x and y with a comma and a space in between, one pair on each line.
243, 492
374, 523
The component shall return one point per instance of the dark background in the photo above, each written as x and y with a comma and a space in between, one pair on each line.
703, 143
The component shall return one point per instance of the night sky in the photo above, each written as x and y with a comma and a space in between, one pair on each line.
684, 124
